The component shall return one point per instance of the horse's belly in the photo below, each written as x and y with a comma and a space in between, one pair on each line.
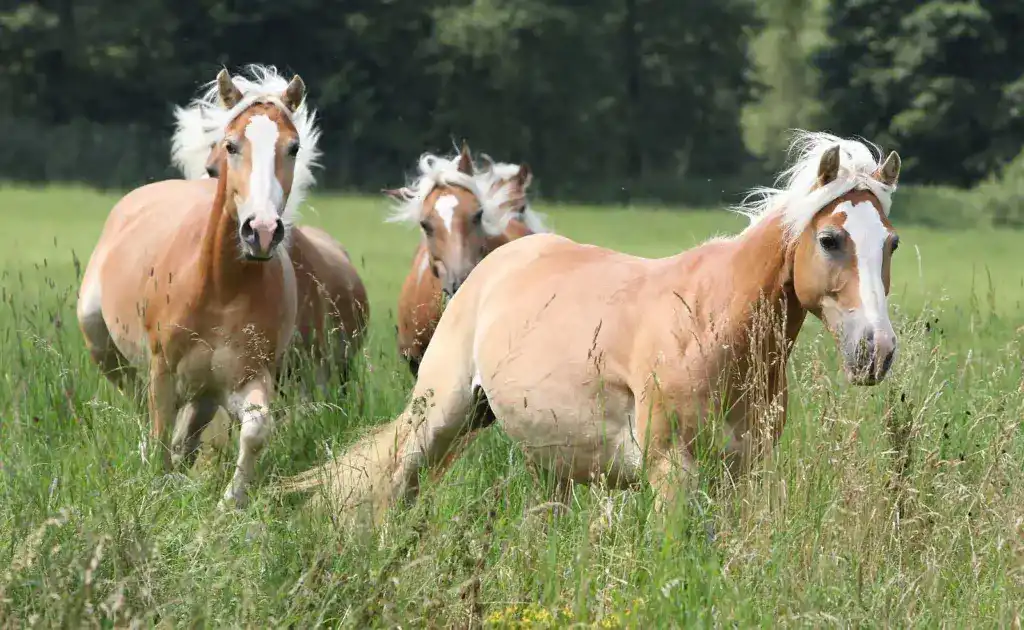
580, 439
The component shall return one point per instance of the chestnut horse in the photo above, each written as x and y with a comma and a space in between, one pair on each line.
463, 216
190, 280
333, 309
595, 361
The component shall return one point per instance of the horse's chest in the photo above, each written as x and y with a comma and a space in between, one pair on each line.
206, 366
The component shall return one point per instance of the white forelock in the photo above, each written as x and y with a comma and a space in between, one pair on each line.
498, 177
437, 171
797, 199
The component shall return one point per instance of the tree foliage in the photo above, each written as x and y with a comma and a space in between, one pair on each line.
942, 81
607, 99
598, 96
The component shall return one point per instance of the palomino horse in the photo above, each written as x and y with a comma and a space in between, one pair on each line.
597, 361
333, 309
190, 281
463, 216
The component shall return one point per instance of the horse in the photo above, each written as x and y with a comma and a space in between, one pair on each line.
463, 216
596, 362
192, 280
333, 307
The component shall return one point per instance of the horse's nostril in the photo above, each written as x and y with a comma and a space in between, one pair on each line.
247, 231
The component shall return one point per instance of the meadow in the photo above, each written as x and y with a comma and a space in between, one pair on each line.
898, 505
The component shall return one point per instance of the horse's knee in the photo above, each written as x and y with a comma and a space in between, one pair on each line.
256, 425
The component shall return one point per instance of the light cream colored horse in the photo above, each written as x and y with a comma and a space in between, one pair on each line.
333, 308
190, 281
463, 215
595, 361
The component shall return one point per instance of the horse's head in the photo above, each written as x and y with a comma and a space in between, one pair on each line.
841, 270
256, 158
452, 216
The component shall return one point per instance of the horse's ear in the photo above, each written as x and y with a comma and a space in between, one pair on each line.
524, 177
465, 159
294, 93
828, 168
889, 174
229, 93
488, 163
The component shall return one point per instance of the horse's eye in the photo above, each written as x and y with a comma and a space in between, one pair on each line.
830, 241
293, 149
895, 243
231, 148
427, 228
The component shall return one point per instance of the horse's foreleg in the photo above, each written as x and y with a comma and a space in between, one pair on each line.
673, 477
162, 407
250, 405
188, 429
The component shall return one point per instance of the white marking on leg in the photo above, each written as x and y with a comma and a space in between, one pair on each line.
266, 196
869, 235
445, 207
250, 405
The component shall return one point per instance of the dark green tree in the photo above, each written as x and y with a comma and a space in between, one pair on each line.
942, 81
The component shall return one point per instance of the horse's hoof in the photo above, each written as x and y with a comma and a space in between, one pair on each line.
231, 503
177, 477
172, 479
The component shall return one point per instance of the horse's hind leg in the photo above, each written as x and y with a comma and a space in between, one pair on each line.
188, 429
446, 406
98, 340
480, 417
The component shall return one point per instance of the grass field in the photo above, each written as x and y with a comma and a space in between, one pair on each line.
899, 505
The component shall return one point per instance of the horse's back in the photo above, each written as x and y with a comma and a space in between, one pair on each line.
545, 301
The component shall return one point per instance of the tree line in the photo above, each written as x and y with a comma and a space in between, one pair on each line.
609, 100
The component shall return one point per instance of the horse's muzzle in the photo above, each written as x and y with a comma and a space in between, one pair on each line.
260, 237
870, 357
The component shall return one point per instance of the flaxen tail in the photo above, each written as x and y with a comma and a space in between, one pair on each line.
360, 477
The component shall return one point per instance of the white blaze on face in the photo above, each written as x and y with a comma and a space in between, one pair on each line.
869, 234
445, 208
266, 196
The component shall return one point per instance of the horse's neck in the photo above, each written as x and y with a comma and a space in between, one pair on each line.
763, 314
220, 263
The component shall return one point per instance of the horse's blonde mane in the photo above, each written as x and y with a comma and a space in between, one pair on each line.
796, 197
435, 171
503, 172
201, 125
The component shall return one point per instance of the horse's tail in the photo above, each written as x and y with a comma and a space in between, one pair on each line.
361, 476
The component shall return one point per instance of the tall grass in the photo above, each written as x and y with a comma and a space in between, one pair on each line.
894, 505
